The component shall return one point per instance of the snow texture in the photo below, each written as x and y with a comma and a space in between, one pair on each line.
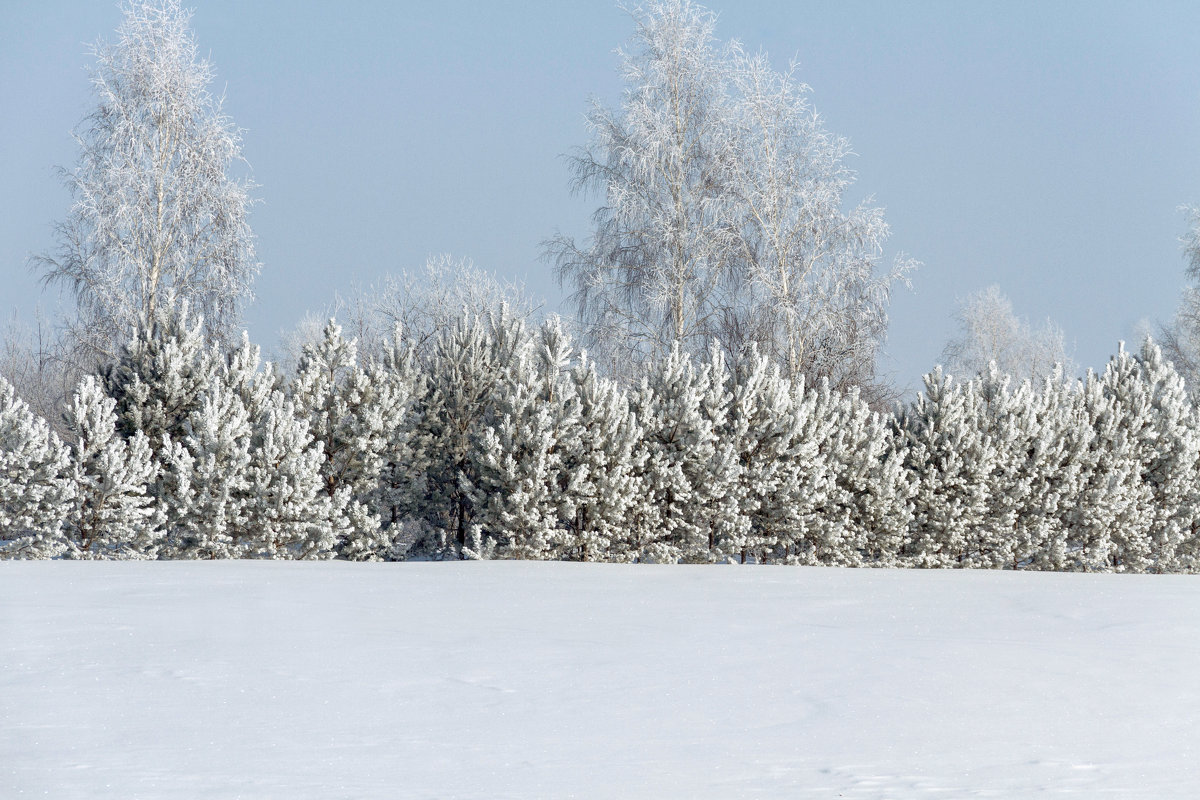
526, 680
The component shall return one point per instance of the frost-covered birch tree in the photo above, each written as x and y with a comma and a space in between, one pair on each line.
155, 212
722, 214
809, 291
421, 303
1180, 339
990, 332
650, 272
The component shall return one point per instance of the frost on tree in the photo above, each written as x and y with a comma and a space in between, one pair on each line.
1171, 465
781, 479
354, 412
651, 270
289, 514
1180, 338
690, 475
950, 458
155, 211
157, 384
1138, 511
1042, 439
160, 374
810, 293
1112, 493
865, 510
245, 476
522, 489
115, 515
36, 490
468, 362
398, 495
605, 468
990, 333
723, 214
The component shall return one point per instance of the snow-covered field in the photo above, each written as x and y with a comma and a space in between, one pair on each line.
516, 680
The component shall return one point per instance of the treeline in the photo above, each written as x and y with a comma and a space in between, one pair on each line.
498, 439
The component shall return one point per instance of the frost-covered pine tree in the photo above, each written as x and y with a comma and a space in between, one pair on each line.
690, 475
950, 458
781, 477
36, 490
605, 493
865, 510
245, 476
468, 363
115, 515
353, 411
206, 470
287, 511
160, 375
1004, 416
521, 492
1044, 438
403, 475
1169, 455
1110, 525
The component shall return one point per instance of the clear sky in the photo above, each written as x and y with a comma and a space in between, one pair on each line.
1043, 147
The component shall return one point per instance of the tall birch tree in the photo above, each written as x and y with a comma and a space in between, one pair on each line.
155, 212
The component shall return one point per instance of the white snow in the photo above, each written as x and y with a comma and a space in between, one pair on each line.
548, 680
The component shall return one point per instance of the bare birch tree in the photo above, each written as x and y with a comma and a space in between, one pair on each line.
155, 217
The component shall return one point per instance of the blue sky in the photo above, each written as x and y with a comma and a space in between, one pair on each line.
1043, 147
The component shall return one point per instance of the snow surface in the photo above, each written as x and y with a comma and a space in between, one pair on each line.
515, 680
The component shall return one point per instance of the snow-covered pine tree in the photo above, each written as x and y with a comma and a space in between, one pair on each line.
881, 485
287, 510
781, 479
403, 476
1169, 457
206, 475
246, 473
1047, 461
605, 491
160, 374
353, 411
1006, 419
724, 518
864, 511
520, 493
158, 384
1110, 523
36, 490
466, 366
951, 458
688, 475
114, 513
